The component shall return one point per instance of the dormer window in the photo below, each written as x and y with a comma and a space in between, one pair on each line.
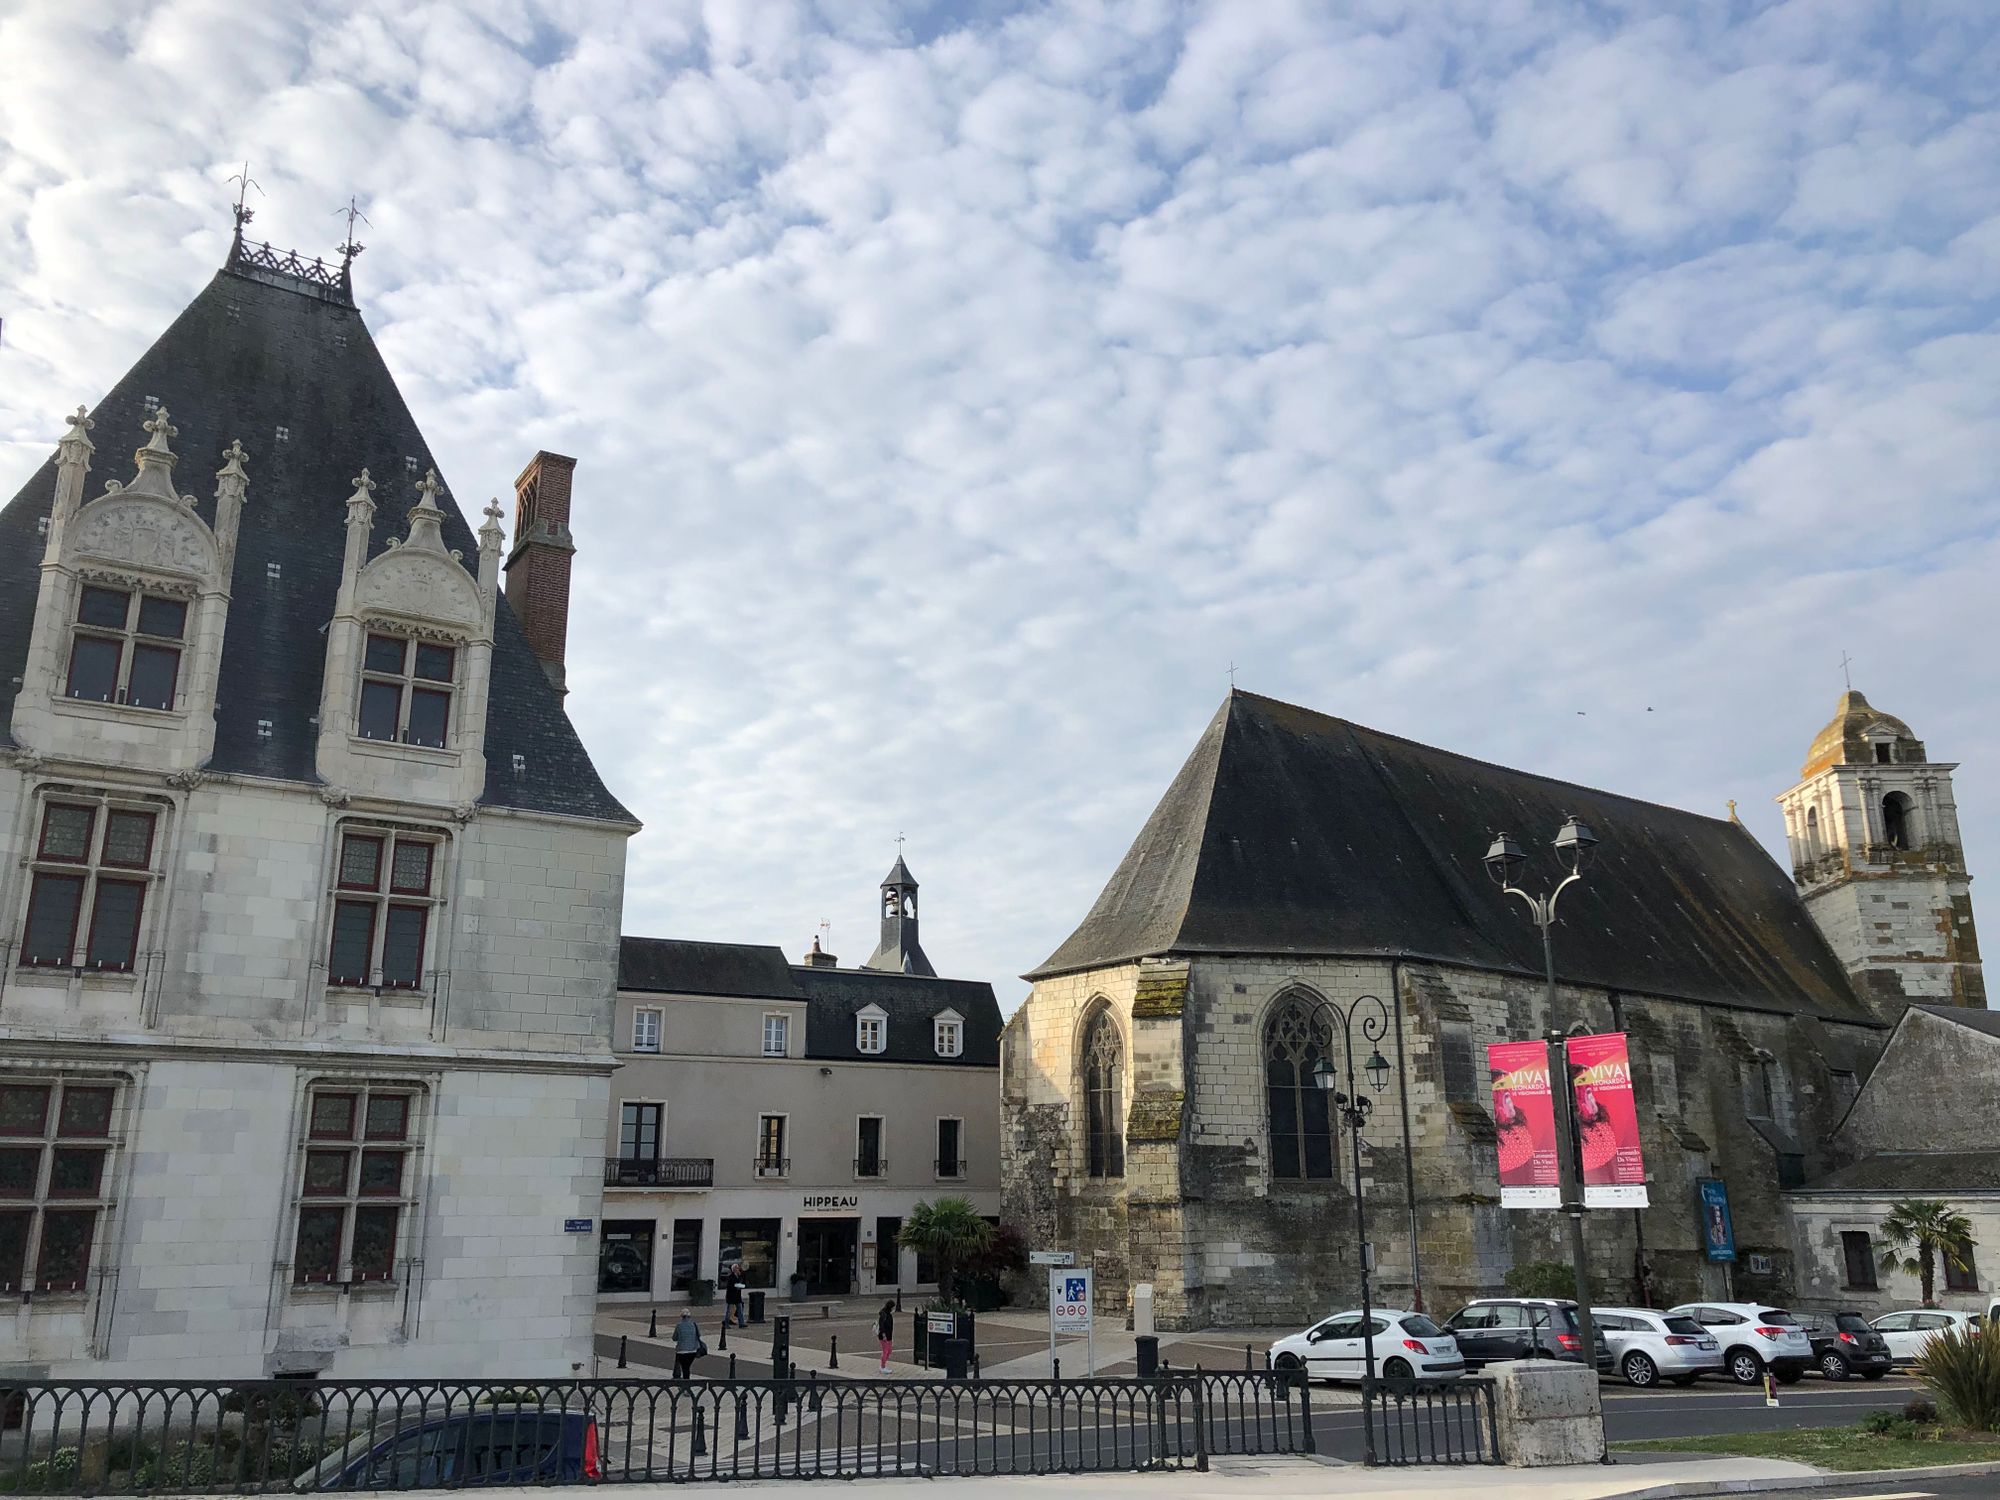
871, 1031
1883, 753
948, 1034
383, 896
126, 648
406, 690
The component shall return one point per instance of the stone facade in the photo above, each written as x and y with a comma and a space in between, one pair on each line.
1744, 1096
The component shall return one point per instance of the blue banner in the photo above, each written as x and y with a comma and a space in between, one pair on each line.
1718, 1233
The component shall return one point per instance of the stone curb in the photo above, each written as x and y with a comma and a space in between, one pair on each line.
1826, 1480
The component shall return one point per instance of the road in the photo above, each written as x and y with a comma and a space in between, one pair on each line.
1965, 1487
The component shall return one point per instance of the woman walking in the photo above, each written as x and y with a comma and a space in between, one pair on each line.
885, 1332
687, 1344
733, 1298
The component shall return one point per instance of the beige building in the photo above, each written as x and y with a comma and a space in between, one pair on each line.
788, 1117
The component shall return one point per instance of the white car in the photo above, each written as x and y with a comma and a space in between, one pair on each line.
1408, 1346
1755, 1336
1648, 1346
1909, 1333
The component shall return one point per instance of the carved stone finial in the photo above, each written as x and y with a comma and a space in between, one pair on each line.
233, 459
79, 428
156, 460
363, 484
492, 511
425, 517
427, 489
490, 534
361, 504
161, 430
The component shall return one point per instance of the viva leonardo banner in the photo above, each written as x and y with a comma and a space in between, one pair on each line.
1524, 1112
1607, 1122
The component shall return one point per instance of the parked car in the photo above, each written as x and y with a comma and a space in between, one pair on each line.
1755, 1336
1408, 1346
1648, 1346
1843, 1344
1909, 1333
1492, 1329
490, 1446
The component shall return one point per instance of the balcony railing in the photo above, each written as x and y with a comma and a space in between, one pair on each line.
950, 1167
871, 1166
659, 1172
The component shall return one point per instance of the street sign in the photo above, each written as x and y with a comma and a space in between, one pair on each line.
1051, 1257
576, 1226
1069, 1299
941, 1323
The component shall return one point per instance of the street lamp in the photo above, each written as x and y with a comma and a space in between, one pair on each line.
1354, 1108
1504, 861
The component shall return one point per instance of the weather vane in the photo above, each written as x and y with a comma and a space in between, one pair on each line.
349, 249
244, 182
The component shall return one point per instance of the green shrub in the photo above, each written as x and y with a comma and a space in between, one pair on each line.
1920, 1409
1542, 1278
1962, 1370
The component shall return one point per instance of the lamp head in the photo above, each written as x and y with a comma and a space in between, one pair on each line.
1377, 1069
1504, 859
1574, 841
1322, 1073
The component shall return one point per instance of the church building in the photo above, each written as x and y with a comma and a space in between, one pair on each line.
310, 891
1160, 1115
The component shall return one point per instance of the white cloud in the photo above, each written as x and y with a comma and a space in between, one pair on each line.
959, 389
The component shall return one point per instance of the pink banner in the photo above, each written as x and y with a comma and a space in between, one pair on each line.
1524, 1112
1607, 1122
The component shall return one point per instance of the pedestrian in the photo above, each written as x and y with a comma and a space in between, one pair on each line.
687, 1344
733, 1298
885, 1332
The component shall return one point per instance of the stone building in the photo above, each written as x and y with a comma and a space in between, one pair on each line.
1158, 1111
1922, 1127
1875, 849
787, 1117
311, 892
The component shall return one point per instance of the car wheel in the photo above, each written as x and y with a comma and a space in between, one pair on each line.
1790, 1377
1873, 1374
1287, 1361
1745, 1368
1639, 1370
1833, 1367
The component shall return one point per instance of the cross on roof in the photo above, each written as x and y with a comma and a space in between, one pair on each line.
1846, 676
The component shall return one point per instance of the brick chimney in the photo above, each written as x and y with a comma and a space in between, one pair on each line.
538, 570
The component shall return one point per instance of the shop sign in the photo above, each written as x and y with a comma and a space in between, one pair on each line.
820, 1203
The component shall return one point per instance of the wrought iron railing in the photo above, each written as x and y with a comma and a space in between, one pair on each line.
103, 1437
1418, 1422
659, 1171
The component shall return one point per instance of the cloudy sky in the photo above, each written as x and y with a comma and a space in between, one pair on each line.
960, 389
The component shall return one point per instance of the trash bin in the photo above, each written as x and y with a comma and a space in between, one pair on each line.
799, 1288
955, 1355
756, 1305
1148, 1354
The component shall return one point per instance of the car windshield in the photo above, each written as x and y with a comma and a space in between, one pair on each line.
1852, 1323
1678, 1324
1417, 1326
1777, 1317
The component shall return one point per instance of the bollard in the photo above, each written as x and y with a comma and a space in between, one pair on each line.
621, 1351
899, 1299
742, 1420
653, 1325
699, 1448
722, 1343
833, 1351
1246, 1358
812, 1387
975, 1364
1055, 1369
732, 1366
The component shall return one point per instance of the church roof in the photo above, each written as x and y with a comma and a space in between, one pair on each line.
258, 351
1843, 741
1294, 832
900, 875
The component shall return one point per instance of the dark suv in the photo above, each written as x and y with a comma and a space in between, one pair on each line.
423, 1451
1498, 1328
1843, 1344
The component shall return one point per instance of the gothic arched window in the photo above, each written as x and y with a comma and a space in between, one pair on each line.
1898, 827
1812, 835
1103, 1097
1298, 1034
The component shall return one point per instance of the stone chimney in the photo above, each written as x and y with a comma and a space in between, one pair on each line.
819, 958
538, 570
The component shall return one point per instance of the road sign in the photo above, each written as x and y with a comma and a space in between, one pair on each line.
943, 1323
1069, 1299
1051, 1257
576, 1226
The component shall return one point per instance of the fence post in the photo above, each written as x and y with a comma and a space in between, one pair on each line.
1200, 1427
1306, 1412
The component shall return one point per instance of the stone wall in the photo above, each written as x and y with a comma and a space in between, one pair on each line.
1819, 1220
1933, 1092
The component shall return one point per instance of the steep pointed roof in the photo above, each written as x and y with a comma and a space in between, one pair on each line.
1293, 832
900, 875
258, 350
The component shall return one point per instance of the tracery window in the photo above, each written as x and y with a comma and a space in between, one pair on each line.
1298, 1034
1103, 1097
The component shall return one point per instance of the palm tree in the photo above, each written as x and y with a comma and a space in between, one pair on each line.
1919, 1231
950, 1232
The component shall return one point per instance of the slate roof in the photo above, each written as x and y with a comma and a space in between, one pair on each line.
1940, 1172
1973, 1019
672, 966
835, 996
1293, 832
255, 351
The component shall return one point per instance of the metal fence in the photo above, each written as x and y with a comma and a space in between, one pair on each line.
105, 1437
1412, 1422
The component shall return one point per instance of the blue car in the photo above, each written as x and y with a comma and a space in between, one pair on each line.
423, 1451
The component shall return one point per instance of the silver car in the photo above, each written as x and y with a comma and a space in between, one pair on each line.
1649, 1346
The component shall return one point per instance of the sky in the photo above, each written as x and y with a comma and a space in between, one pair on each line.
962, 391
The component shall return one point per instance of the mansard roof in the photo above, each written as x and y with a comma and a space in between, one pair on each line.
676, 966
261, 349
1291, 832
911, 1002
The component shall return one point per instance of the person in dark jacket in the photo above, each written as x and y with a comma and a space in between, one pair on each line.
885, 1332
687, 1344
733, 1298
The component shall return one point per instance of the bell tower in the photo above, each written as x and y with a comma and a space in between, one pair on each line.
1876, 853
899, 951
